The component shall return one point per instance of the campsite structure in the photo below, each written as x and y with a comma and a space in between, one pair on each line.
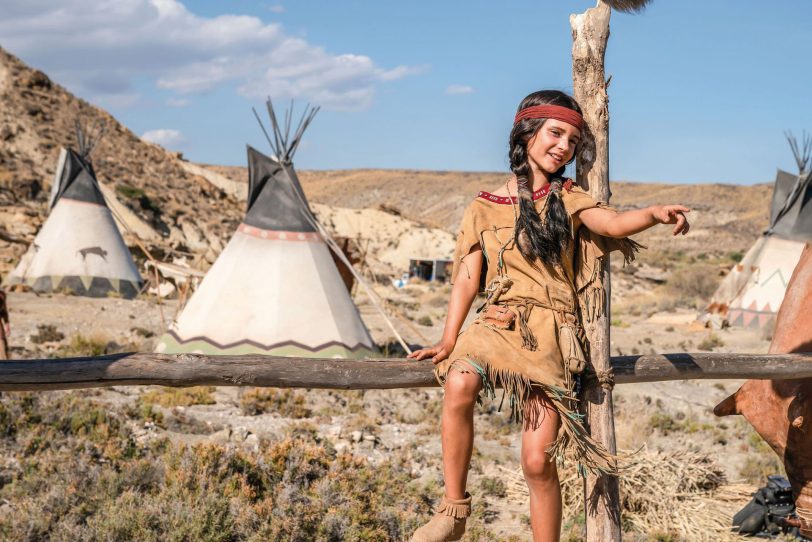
751, 294
79, 247
275, 288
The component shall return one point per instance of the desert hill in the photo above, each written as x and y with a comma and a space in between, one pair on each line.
726, 218
37, 117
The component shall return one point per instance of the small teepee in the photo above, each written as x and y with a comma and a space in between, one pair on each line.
275, 288
79, 248
752, 293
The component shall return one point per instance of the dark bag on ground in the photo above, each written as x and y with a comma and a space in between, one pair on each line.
765, 515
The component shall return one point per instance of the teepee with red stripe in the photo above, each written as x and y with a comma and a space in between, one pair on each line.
275, 288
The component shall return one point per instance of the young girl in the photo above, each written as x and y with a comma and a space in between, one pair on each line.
538, 242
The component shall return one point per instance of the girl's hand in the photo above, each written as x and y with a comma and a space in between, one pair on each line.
672, 214
438, 352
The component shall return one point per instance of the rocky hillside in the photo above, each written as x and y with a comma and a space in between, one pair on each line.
171, 208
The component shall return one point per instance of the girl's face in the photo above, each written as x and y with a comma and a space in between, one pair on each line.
552, 146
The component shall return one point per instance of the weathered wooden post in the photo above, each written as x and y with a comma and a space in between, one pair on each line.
590, 33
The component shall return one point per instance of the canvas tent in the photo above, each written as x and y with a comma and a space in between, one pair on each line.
79, 247
275, 288
752, 292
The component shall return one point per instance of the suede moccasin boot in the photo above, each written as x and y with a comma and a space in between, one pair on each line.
448, 523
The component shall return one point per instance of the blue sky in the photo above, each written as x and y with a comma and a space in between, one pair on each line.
701, 91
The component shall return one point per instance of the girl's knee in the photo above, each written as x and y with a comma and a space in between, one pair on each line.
539, 466
462, 386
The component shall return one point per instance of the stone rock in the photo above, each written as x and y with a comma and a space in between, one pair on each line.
252, 442
38, 80
221, 437
240, 434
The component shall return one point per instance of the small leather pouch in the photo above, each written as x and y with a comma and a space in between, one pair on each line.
571, 349
498, 316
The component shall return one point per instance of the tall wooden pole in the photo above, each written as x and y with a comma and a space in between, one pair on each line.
590, 33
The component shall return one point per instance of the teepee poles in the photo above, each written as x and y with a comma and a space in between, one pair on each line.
282, 145
802, 153
87, 138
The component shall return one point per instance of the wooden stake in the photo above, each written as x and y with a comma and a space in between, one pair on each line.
590, 33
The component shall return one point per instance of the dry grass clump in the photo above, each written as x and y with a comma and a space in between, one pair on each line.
175, 397
286, 403
47, 333
696, 281
710, 342
675, 496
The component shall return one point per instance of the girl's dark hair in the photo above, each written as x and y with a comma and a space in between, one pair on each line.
539, 239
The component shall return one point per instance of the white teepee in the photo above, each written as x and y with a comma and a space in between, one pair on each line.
79, 248
275, 288
752, 293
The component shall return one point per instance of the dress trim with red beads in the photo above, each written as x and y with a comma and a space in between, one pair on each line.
538, 194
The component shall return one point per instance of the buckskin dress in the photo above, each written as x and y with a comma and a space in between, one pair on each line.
544, 347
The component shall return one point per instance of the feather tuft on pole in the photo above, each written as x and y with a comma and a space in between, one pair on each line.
627, 6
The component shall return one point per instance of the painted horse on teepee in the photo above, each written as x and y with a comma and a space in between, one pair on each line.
79, 247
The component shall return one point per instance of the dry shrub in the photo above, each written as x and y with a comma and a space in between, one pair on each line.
425, 320
89, 345
710, 342
47, 333
682, 495
286, 403
436, 299
694, 283
175, 397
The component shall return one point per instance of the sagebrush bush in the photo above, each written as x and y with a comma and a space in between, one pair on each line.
174, 397
694, 283
47, 333
710, 342
286, 403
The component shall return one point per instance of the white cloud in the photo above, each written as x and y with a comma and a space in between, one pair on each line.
458, 89
278, 8
177, 102
99, 49
164, 137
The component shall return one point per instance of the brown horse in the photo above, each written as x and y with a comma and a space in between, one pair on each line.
781, 410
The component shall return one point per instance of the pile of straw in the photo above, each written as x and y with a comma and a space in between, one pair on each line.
682, 494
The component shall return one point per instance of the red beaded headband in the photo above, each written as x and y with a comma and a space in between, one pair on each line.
557, 112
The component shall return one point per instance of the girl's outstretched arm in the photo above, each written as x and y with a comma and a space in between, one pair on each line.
612, 224
463, 293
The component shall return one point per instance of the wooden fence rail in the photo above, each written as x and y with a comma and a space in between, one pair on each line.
182, 370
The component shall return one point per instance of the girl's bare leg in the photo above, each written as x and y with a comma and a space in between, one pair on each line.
539, 468
461, 390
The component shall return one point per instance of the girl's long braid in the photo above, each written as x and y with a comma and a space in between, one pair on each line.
538, 239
